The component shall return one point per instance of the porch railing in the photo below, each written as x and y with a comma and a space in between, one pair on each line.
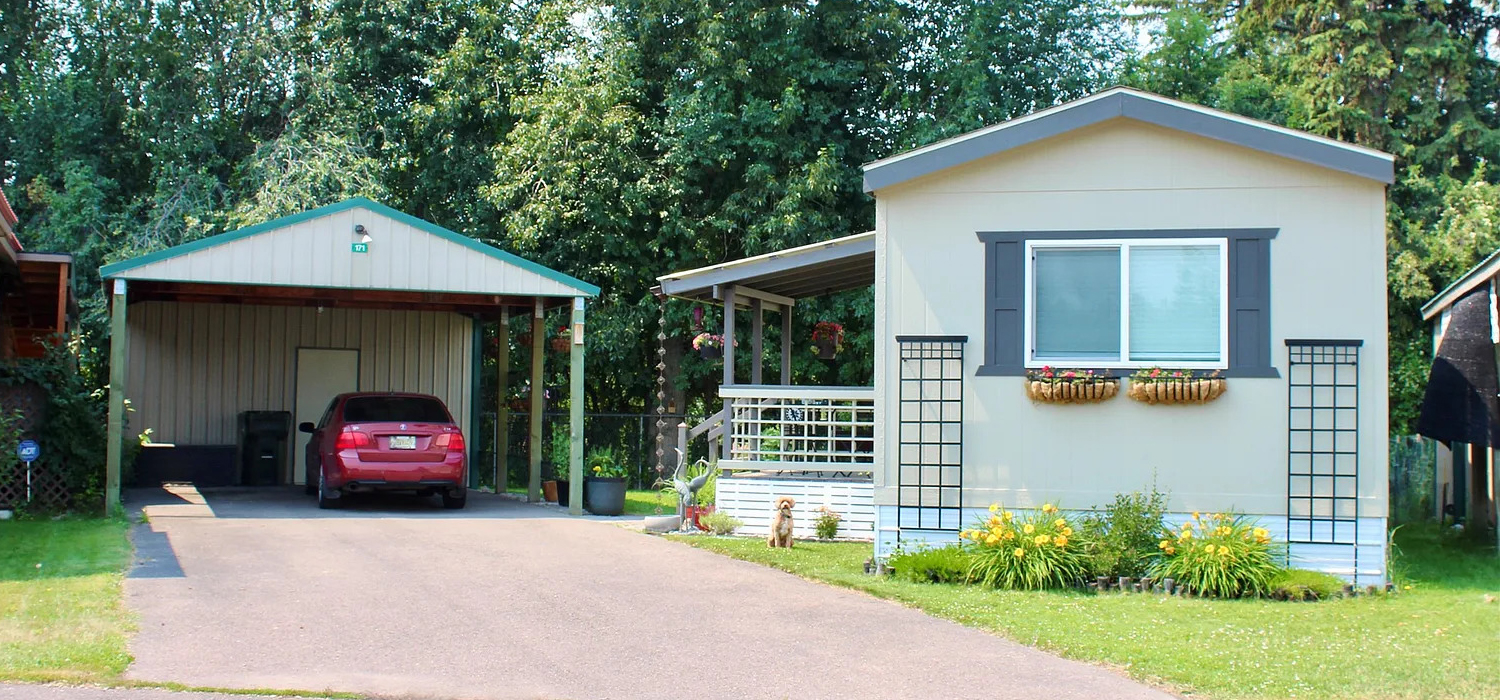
799, 429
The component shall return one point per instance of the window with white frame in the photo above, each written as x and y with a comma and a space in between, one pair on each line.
1127, 303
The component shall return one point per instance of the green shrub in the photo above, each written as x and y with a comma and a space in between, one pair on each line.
721, 523
1032, 552
73, 437
1301, 584
827, 524
1121, 541
1221, 554
949, 564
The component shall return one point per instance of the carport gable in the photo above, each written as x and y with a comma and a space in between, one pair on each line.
350, 249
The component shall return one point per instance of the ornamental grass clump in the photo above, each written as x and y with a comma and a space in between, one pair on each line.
1221, 555
1028, 552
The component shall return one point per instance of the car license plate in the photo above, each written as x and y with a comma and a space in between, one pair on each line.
403, 442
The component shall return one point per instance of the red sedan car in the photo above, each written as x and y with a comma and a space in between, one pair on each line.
371, 441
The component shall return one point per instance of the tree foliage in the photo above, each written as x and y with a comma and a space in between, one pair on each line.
619, 141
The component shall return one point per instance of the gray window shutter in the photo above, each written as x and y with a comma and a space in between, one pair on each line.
1005, 302
1250, 306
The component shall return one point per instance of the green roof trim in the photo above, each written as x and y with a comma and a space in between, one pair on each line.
114, 269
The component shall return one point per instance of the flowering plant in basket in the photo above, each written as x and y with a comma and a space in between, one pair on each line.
828, 338
1156, 385
1051, 385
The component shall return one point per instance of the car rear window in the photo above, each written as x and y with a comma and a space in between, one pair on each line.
389, 409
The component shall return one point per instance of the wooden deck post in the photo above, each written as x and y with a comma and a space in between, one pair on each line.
757, 337
538, 343
502, 407
726, 442
786, 345
575, 411
119, 343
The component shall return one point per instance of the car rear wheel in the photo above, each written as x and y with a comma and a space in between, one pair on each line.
452, 502
324, 501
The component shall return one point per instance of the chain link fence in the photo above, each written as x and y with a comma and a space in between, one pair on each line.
1413, 479
631, 435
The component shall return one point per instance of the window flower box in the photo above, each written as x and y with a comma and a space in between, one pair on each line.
1156, 385
1049, 385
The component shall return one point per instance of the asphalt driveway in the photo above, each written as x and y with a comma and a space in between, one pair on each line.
259, 589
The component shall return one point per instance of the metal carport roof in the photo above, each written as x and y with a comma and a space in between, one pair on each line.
795, 273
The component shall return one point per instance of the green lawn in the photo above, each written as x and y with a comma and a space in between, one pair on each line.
637, 501
1439, 639
61, 616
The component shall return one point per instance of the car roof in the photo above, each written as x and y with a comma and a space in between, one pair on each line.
379, 394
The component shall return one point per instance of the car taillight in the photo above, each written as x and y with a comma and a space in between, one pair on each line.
453, 441
352, 439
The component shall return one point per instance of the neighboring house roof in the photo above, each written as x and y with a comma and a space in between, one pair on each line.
1476, 276
795, 273
9, 244
289, 252
1145, 107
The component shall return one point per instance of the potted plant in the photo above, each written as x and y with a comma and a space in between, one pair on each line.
709, 345
1155, 385
828, 339
561, 341
604, 482
1050, 385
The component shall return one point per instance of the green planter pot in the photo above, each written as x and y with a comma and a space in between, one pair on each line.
604, 496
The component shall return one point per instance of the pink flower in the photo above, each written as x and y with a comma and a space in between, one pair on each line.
1156, 372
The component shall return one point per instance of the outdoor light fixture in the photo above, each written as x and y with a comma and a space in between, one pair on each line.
363, 237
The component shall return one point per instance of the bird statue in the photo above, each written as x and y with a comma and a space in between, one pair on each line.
687, 489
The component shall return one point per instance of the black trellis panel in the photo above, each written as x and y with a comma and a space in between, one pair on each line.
1323, 442
930, 447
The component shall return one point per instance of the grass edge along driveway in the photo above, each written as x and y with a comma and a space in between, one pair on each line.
62, 611
1433, 640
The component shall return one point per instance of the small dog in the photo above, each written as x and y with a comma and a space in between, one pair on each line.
781, 523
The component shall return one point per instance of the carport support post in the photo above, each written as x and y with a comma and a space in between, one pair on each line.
575, 411
538, 338
114, 449
502, 408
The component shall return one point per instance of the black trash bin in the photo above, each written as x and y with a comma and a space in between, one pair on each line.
264, 439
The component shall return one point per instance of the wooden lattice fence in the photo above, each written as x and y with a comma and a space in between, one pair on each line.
49, 487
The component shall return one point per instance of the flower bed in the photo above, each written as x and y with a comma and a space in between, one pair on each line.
1156, 385
1049, 385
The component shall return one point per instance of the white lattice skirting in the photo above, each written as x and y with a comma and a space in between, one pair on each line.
750, 498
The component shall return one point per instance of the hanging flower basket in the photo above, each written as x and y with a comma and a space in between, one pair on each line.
828, 339
1049, 385
1156, 385
709, 345
561, 341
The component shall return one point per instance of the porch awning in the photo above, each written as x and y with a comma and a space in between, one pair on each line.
795, 273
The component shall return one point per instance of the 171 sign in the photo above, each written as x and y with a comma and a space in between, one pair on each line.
360, 247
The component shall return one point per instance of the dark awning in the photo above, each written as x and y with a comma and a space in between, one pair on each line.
1460, 404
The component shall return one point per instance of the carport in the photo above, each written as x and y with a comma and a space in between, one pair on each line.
354, 296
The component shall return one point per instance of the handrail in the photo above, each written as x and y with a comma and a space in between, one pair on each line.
712, 421
779, 391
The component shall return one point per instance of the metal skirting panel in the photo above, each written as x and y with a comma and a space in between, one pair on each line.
1336, 559
751, 498
195, 367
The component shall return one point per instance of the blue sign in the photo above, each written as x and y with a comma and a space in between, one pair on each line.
28, 451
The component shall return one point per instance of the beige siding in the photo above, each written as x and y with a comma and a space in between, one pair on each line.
194, 367
1327, 281
317, 253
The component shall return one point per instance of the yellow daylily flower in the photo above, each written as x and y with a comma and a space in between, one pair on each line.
1020, 552
1163, 544
1059, 523
1068, 531
1049, 508
1209, 549
1060, 541
1029, 528
1039, 540
992, 540
994, 507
